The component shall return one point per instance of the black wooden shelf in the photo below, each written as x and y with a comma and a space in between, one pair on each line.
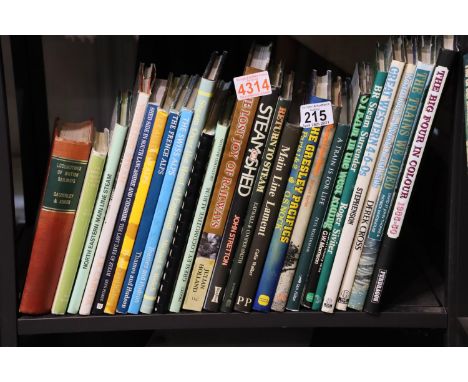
407, 317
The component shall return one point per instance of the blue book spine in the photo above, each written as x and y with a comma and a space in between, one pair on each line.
156, 222
146, 218
124, 211
172, 214
285, 222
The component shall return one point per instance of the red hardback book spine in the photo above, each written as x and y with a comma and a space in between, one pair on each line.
67, 168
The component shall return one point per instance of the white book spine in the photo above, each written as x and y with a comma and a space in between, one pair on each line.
114, 204
363, 181
344, 247
416, 152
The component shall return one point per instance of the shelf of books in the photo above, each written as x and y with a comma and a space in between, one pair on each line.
264, 200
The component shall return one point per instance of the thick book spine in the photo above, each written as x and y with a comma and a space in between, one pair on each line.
114, 204
147, 217
322, 201
253, 209
158, 216
172, 213
360, 209
80, 227
268, 214
229, 170
113, 159
67, 168
201, 166
122, 221
342, 251
200, 214
284, 226
334, 212
303, 216
240, 201
158, 119
352, 148
388, 187
403, 195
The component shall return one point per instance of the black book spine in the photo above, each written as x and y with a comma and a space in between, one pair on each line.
253, 209
444, 66
267, 217
237, 212
184, 223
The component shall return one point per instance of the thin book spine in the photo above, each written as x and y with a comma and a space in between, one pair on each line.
285, 223
158, 216
113, 158
187, 215
114, 204
158, 120
344, 245
363, 211
200, 212
390, 182
409, 176
81, 223
238, 210
172, 213
253, 209
229, 170
268, 214
105, 281
324, 194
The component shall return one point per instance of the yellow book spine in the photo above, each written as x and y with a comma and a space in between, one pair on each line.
137, 211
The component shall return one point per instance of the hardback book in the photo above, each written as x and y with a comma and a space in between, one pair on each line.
322, 201
303, 216
142, 193
229, 170
390, 182
170, 114
286, 220
202, 102
210, 149
344, 245
144, 85
382, 272
117, 137
362, 210
271, 204
261, 181
71, 147
79, 230
178, 190
250, 165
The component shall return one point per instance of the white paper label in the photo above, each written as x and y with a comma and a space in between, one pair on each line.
317, 114
252, 85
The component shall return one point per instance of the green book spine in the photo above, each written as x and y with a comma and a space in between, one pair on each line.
322, 200
81, 223
199, 218
113, 159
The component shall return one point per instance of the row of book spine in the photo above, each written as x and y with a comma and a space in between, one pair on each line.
196, 202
